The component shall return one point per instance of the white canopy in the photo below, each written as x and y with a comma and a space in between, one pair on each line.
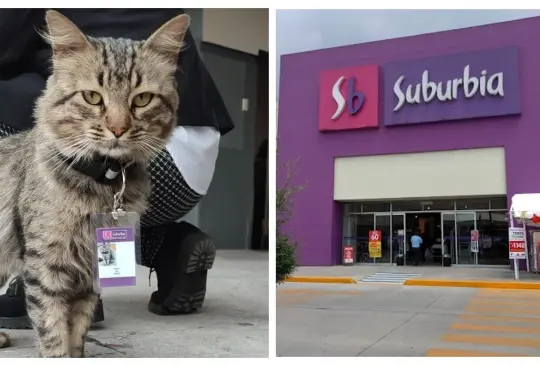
525, 205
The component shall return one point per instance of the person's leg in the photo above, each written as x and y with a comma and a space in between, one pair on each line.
181, 265
180, 253
418, 256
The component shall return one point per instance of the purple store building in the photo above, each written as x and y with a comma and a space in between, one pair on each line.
432, 133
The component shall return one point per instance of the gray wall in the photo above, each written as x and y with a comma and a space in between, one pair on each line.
225, 212
196, 28
196, 25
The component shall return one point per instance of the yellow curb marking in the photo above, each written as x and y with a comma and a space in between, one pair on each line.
439, 352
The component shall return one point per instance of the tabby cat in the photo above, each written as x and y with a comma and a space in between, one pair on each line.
105, 99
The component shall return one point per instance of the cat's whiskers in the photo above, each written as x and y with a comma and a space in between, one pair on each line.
45, 143
51, 149
64, 157
81, 152
161, 143
52, 154
149, 149
146, 152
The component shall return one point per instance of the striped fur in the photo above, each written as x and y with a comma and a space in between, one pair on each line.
45, 207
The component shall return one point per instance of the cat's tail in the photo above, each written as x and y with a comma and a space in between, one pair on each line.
5, 341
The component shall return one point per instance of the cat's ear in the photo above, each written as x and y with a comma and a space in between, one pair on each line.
169, 39
64, 36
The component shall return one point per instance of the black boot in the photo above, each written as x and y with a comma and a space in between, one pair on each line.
13, 314
182, 265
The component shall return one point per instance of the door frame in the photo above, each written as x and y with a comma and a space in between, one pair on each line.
404, 216
389, 215
456, 242
453, 213
473, 213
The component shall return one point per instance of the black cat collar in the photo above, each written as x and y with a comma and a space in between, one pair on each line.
103, 169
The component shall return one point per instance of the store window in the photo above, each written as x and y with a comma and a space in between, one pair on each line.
473, 204
376, 207
438, 205
364, 223
353, 207
498, 203
405, 206
493, 237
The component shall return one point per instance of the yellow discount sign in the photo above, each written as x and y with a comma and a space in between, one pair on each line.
375, 244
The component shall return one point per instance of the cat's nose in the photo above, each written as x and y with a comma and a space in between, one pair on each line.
117, 131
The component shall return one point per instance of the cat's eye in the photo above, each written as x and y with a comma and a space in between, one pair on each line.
142, 100
93, 98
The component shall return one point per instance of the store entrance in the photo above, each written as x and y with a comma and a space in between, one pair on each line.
447, 227
444, 234
428, 225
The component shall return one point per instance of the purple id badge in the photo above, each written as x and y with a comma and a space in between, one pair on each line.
116, 256
115, 252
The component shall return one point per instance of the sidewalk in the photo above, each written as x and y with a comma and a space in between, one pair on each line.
232, 323
459, 276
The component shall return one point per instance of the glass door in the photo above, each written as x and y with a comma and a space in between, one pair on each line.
465, 223
364, 223
349, 232
399, 237
383, 223
448, 238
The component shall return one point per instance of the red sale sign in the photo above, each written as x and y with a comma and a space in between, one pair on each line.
517, 244
375, 244
348, 253
374, 235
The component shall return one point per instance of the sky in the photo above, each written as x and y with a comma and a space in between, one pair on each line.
306, 30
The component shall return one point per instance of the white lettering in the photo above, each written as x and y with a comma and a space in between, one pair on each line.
456, 83
429, 87
399, 94
495, 78
483, 83
447, 95
412, 99
467, 81
338, 98
427, 90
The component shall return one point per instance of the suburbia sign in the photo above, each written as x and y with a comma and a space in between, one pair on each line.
354, 101
349, 98
452, 87
466, 86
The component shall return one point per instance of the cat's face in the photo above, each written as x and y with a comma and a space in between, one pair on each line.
113, 97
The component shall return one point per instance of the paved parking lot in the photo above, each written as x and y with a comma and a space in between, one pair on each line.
396, 320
